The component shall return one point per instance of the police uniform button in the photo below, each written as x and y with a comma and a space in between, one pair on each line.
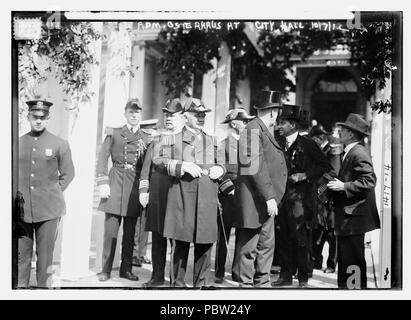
36, 138
33, 162
34, 149
32, 175
31, 187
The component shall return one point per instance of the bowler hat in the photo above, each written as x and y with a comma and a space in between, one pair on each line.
291, 112
173, 106
237, 114
133, 104
317, 131
39, 105
357, 123
195, 105
269, 99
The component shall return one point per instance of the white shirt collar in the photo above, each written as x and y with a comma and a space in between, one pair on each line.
323, 145
349, 147
135, 128
291, 138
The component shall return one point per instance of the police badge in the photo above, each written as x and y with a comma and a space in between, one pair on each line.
48, 152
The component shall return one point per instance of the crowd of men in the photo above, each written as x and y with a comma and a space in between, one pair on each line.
284, 191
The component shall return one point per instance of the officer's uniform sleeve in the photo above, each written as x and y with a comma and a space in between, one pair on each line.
145, 170
102, 162
256, 167
226, 184
66, 167
163, 158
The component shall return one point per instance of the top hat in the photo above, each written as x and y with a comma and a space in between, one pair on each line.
133, 104
305, 117
357, 123
317, 131
195, 105
173, 106
39, 105
269, 99
237, 114
292, 112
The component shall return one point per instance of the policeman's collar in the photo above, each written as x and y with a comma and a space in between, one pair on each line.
36, 133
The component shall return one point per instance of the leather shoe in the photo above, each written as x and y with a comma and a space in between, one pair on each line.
281, 282
303, 284
329, 270
103, 276
129, 276
145, 260
153, 283
136, 262
219, 279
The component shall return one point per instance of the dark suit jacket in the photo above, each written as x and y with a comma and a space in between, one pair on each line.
355, 208
262, 175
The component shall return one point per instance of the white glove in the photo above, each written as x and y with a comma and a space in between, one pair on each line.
104, 191
272, 207
191, 168
143, 199
216, 172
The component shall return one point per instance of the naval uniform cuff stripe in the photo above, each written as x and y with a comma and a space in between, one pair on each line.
225, 185
143, 184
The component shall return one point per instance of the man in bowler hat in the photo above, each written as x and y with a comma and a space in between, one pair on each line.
306, 164
259, 188
354, 199
119, 188
236, 119
45, 171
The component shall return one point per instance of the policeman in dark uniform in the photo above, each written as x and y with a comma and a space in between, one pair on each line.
191, 215
323, 230
45, 171
154, 186
119, 189
236, 119
306, 164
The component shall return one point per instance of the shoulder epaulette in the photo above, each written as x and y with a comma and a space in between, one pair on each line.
109, 131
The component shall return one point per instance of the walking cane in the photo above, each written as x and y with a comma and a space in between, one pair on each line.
220, 208
173, 245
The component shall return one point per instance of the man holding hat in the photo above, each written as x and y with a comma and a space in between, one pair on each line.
259, 188
306, 164
323, 230
119, 189
154, 186
236, 119
354, 199
45, 171
191, 214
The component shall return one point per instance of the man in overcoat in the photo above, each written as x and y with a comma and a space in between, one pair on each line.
119, 193
259, 188
191, 215
354, 198
154, 186
45, 171
306, 164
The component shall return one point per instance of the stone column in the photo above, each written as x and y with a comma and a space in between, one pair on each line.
76, 233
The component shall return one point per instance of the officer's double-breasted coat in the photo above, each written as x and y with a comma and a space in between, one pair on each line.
191, 214
127, 151
45, 171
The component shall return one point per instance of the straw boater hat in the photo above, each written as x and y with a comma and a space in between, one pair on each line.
357, 123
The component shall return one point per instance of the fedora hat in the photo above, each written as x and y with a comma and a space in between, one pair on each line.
173, 106
357, 123
237, 114
268, 99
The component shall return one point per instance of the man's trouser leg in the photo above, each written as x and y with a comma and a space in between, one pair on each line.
319, 238
180, 258
351, 259
265, 253
332, 249
221, 249
301, 247
46, 235
202, 263
141, 236
111, 226
129, 228
25, 234
286, 245
235, 267
246, 253
158, 255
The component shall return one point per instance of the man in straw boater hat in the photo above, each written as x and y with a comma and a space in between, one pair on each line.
191, 214
259, 188
236, 119
45, 171
154, 186
354, 200
119, 189
306, 164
